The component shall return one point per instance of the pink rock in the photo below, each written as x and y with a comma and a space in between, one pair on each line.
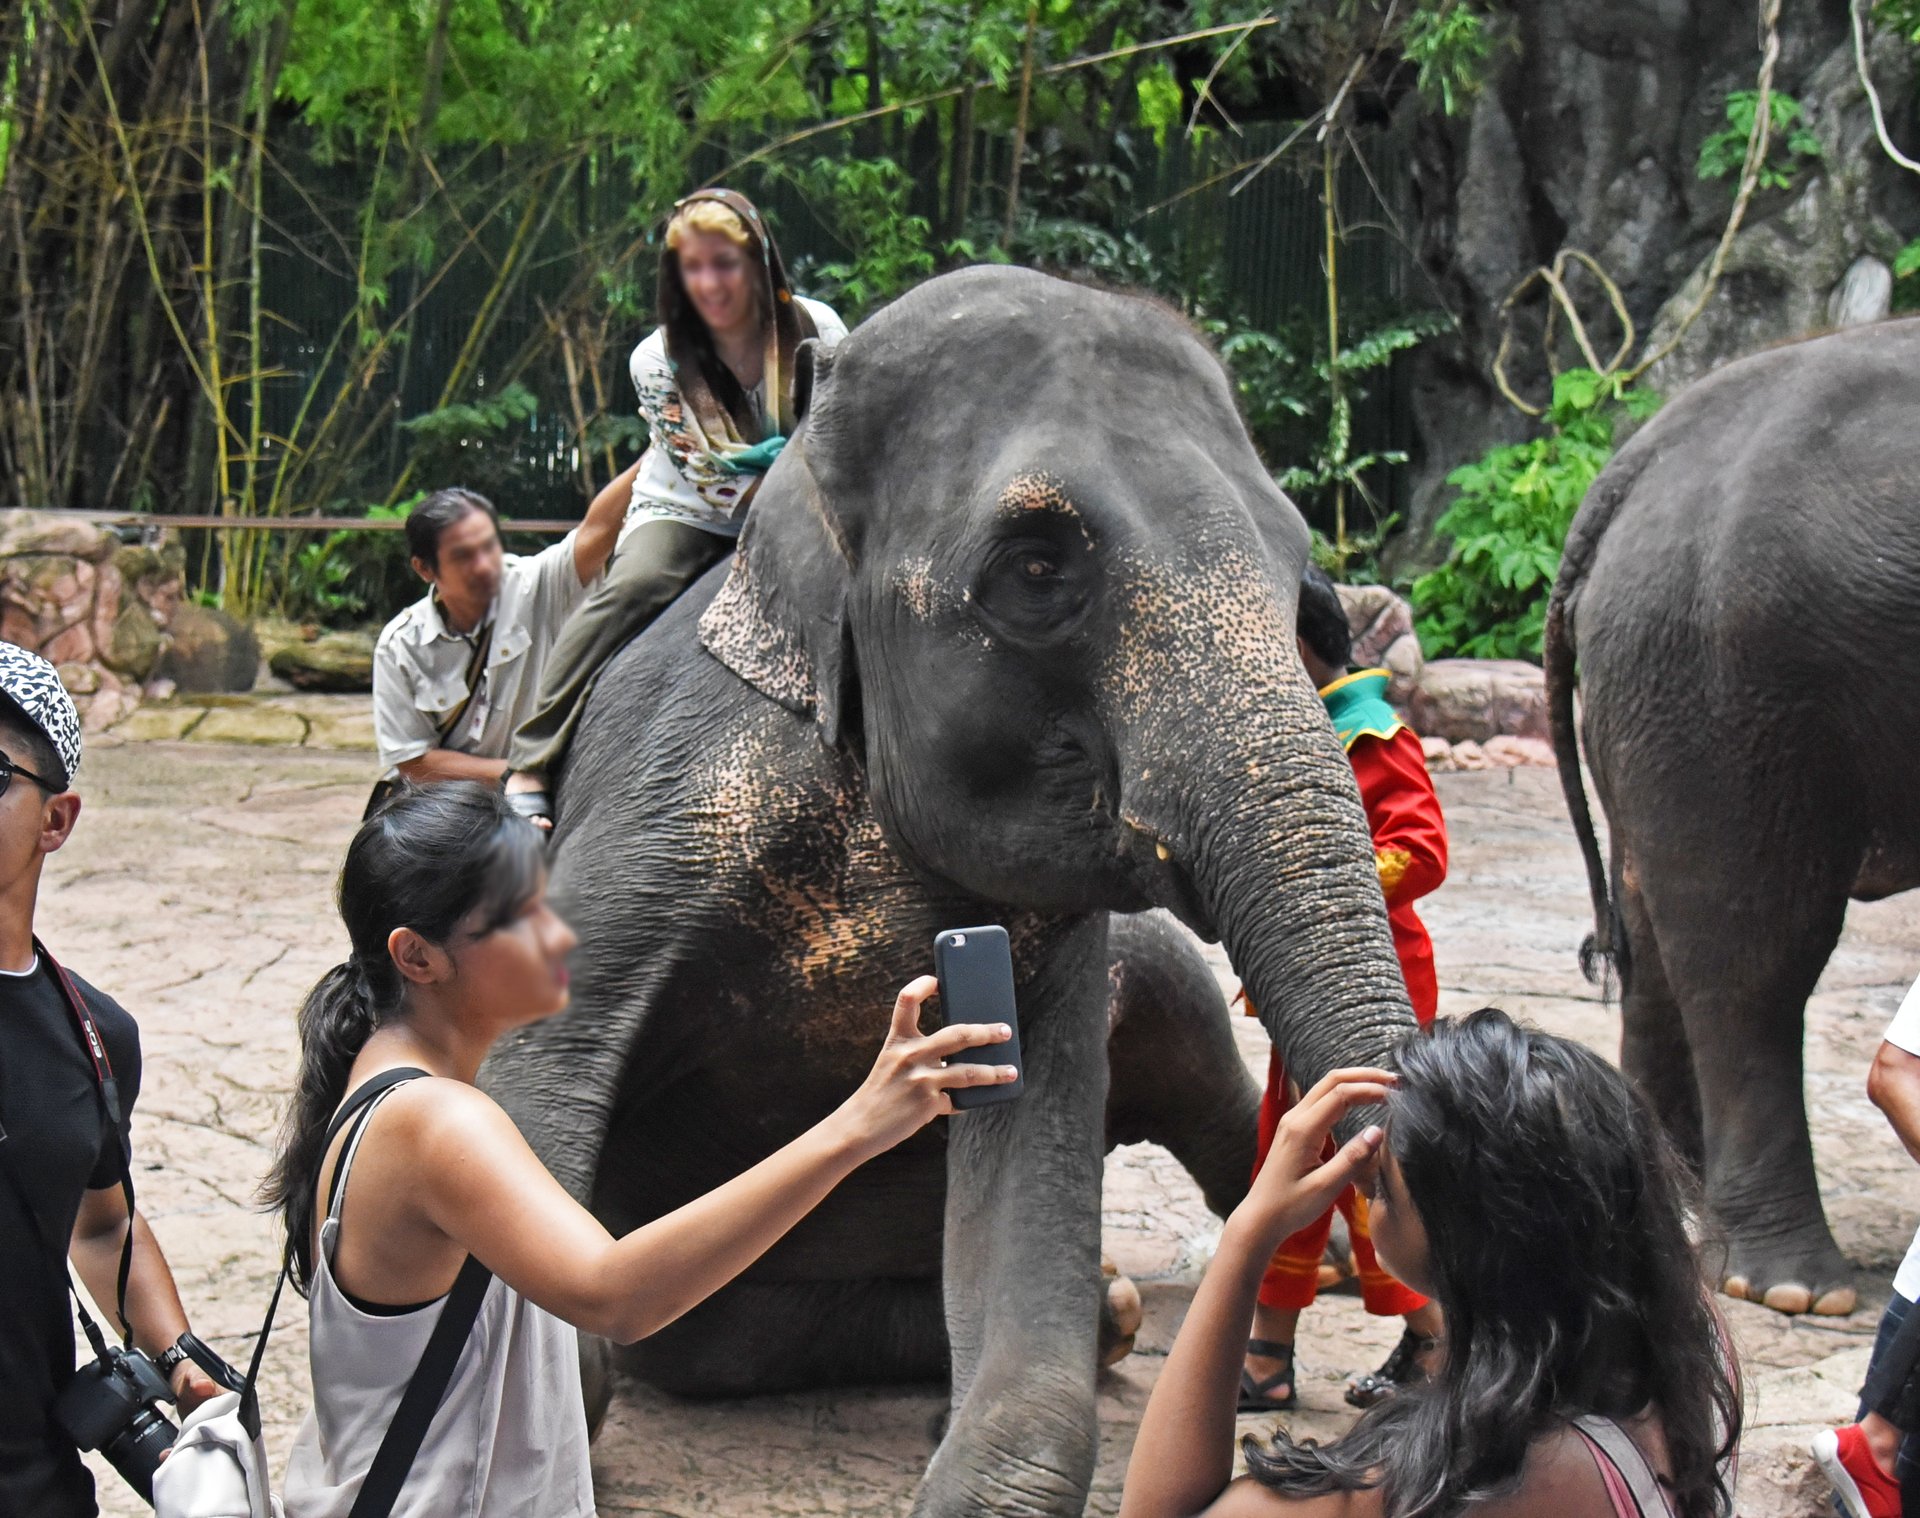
74, 645
1383, 636
1507, 749
108, 587
1439, 754
1479, 699
1468, 755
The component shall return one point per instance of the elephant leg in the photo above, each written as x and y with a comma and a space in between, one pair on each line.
1742, 941
759, 1337
1653, 1038
1022, 1266
1176, 1077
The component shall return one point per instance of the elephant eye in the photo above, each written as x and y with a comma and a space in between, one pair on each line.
1038, 567
1032, 588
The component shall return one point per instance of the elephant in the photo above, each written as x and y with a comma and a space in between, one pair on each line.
1008, 637
1740, 590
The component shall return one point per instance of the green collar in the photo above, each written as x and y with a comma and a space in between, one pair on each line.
1358, 705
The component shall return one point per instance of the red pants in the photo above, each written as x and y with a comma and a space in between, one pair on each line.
1293, 1278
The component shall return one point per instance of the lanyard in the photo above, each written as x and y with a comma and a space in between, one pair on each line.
109, 1092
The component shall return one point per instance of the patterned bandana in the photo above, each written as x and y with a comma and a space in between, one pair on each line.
716, 405
32, 685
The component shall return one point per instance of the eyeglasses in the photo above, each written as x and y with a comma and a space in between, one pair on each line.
8, 769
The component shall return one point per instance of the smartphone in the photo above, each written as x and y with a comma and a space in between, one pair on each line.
975, 968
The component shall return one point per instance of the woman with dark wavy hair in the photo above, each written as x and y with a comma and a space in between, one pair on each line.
1521, 1183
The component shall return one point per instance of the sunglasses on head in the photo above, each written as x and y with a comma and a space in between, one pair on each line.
8, 769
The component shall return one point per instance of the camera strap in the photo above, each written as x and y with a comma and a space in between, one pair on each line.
108, 1090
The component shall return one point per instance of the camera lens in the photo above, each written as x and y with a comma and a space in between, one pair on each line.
136, 1450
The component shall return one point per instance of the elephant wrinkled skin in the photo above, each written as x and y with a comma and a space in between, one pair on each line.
1008, 637
1741, 588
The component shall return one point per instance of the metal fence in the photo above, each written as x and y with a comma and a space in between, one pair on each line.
1184, 199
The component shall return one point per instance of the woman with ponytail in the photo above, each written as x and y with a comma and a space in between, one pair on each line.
454, 944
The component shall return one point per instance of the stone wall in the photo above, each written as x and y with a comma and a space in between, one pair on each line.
95, 607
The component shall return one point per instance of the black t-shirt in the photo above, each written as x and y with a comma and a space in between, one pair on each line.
58, 1145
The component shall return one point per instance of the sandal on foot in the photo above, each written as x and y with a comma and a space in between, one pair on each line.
1402, 1368
535, 806
1257, 1396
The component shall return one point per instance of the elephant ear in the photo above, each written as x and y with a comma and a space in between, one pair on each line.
780, 621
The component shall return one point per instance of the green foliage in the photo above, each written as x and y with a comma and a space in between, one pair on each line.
1789, 148
481, 444
1902, 16
1509, 522
1906, 265
1449, 45
1293, 410
864, 203
347, 574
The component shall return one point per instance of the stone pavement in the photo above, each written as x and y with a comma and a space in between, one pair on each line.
196, 889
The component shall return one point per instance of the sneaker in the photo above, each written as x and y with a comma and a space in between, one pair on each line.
1864, 1490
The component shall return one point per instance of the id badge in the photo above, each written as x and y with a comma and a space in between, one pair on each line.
477, 718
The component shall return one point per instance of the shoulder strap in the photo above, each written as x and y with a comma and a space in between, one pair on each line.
368, 1089
1609, 1439
431, 1377
421, 1400
476, 665
357, 1102
109, 1092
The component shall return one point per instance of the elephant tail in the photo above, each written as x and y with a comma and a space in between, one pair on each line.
1606, 947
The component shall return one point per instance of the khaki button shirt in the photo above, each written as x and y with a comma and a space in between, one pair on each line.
420, 664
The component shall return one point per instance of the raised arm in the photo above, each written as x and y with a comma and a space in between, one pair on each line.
490, 1193
594, 538
1183, 1458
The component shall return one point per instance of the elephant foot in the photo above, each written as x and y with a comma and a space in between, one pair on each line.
1781, 1281
1121, 1312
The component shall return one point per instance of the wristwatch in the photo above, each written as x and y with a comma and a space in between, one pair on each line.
174, 1356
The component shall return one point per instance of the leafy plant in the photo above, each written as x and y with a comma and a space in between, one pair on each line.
1449, 45
1724, 153
347, 575
1509, 523
1906, 264
864, 203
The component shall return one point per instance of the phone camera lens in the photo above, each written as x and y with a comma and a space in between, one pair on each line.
959, 940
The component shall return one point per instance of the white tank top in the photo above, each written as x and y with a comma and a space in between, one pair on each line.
510, 1436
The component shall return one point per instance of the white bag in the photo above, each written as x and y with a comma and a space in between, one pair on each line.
216, 1468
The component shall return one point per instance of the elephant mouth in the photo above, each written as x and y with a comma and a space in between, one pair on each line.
1165, 881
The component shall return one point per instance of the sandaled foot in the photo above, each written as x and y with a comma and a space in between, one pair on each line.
1263, 1391
1412, 1361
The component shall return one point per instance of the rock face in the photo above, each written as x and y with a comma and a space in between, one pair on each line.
96, 608
1383, 636
209, 652
336, 662
1588, 137
1478, 700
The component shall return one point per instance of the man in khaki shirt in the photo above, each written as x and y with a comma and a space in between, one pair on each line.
455, 673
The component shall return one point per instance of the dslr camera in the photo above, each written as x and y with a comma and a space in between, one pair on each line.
113, 1405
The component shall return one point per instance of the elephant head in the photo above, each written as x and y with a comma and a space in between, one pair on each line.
1022, 561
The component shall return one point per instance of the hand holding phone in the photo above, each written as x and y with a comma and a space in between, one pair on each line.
975, 969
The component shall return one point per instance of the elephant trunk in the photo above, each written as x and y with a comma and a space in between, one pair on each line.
1266, 844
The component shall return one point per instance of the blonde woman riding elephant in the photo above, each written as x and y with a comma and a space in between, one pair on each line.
1741, 588
1008, 637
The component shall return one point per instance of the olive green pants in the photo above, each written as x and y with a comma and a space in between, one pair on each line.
658, 560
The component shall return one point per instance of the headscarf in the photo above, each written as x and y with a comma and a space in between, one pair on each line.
716, 405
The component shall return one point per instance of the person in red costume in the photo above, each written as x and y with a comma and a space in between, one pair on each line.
1410, 853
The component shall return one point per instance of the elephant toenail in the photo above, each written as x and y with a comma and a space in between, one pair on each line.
1788, 1298
1836, 1303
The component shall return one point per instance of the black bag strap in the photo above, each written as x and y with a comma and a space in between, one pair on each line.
357, 1101
421, 1400
431, 1377
476, 666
